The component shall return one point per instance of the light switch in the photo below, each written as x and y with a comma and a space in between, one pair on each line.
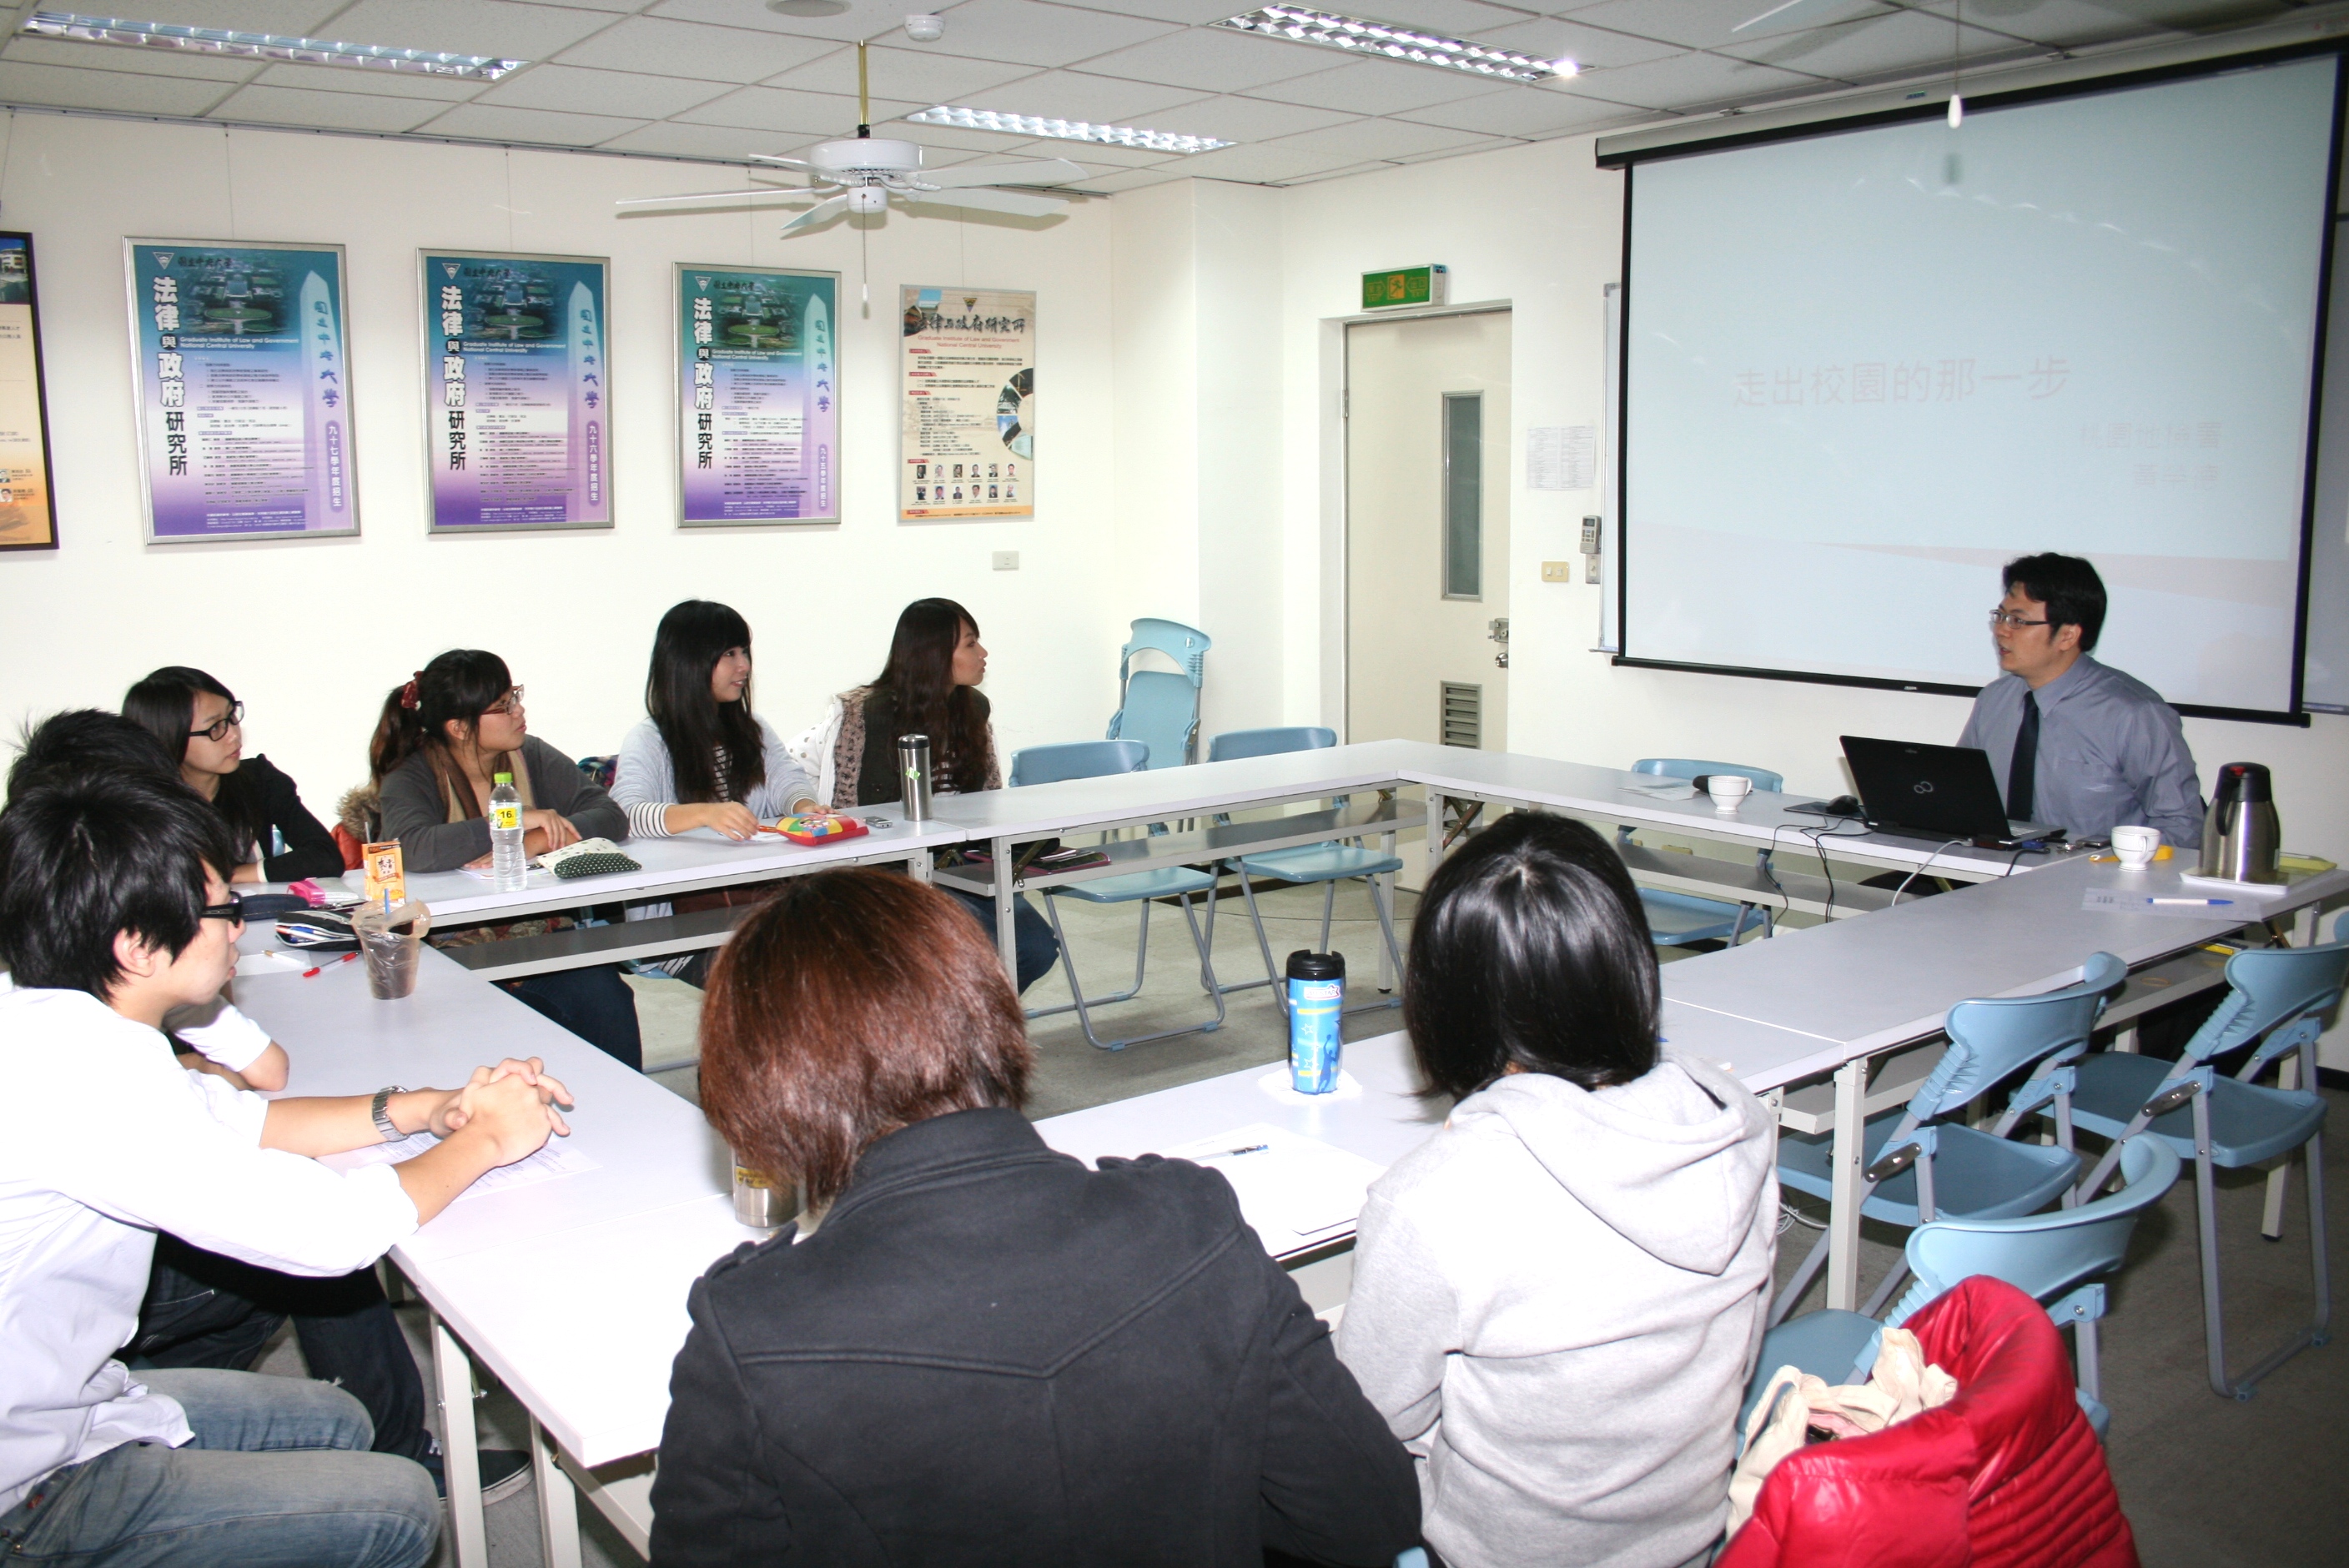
1006, 561
1558, 571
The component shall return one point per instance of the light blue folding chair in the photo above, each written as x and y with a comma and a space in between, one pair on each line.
1327, 863
2278, 997
1678, 919
1922, 1166
1095, 760
1160, 708
2059, 1259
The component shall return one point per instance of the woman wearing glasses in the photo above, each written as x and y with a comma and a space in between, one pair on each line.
202, 726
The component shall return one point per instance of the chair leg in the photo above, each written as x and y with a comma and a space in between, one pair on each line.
1877, 1303
2206, 1226
2319, 1277
1263, 945
1083, 1008
1393, 953
2089, 1358
1141, 960
1328, 908
1813, 1261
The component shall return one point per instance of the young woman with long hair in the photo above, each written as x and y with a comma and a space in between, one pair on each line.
202, 726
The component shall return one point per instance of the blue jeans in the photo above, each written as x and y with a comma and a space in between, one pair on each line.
278, 1477
1030, 932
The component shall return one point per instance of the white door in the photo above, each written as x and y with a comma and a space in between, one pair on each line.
1427, 530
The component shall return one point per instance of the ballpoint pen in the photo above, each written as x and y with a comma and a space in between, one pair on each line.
322, 968
2200, 901
1227, 1153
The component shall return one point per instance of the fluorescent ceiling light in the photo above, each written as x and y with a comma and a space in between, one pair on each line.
1406, 43
265, 47
1066, 129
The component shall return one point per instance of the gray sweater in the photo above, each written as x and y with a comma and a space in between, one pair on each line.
416, 811
1557, 1300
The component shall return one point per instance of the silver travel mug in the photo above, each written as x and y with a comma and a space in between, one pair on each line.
758, 1201
914, 775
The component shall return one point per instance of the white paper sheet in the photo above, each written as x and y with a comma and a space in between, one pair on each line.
1296, 1191
558, 1157
1561, 457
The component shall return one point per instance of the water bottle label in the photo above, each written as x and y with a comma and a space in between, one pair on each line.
505, 816
1314, 1047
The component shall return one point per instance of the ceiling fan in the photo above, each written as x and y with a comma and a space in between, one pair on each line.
861, 173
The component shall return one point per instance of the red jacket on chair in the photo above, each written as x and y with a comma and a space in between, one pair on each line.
2008, 1474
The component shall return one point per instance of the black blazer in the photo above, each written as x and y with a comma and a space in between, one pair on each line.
991, 1354
310, 848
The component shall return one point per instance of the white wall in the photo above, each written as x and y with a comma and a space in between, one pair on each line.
312, 633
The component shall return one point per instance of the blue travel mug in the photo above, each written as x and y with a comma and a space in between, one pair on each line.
1317, 996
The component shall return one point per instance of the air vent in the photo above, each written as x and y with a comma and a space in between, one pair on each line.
1463, 715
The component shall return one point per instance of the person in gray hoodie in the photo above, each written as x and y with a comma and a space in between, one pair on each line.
1559, 1298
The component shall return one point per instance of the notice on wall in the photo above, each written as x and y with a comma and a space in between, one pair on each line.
968, 447
27, 516
243, 384
758, 396
517, 416
1561, 457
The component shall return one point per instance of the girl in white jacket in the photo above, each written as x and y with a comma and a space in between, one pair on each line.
1557, 1299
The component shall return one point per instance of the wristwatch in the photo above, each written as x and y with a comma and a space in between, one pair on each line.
384, 1126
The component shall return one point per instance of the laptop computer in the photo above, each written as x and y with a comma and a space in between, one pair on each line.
1912, 790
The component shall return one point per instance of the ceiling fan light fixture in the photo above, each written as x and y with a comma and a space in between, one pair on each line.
1301, 25
265, 47
1065, 130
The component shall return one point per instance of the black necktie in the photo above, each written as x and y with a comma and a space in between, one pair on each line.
2022, 773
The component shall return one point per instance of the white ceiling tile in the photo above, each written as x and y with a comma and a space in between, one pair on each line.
1701, 24
1074, 95
1449, 19
480, 122
1486, 145
338, 111
1182, 12
143, 62
689, 49
1555, 39
1361, 140
1030, 34
1529, 111
1375, 87
64, 87
1090, 153
576, 89
1209, 60
1265, 162
873, 19
376, 83
470, 26
1348, 172
780, 109
1134, 179
914, 73
621, 7
2065, 22
1695, 80
950, 137
1246, 118
303, 18
1876, 46
729, 142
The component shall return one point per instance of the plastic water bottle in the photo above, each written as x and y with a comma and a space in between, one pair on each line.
1317, 996
509, 865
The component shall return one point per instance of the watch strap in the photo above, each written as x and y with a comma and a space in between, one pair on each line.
381, 1116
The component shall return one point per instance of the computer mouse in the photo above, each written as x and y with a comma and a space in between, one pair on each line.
1841, 806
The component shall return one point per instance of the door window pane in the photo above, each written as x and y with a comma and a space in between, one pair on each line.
1464, 495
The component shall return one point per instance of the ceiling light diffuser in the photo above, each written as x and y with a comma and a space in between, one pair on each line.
1382, 39
1066, 129
265, 47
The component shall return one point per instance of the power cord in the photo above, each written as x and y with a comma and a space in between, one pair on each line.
1928, 861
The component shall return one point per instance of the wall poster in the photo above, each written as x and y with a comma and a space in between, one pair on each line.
517, 415
28, 519
968, 448
243, 388
758, 396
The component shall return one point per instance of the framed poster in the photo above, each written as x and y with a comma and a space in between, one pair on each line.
243, 384
517, 416
968, 446
28, 518
757, 394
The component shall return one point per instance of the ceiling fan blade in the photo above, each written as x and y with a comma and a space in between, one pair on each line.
786, 190
821, 209
1026, 172
1025, 203
786, 163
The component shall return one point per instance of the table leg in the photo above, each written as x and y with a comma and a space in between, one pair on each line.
1435, 832
452, 1378
1007, 936
1843, 1214
1387, 886
917, 865
558, 1504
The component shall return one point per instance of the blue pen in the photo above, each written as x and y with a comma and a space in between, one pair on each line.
2197, 902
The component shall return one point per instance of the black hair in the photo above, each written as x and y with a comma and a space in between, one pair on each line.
65, 746
2068, 585
692, 637
1530, 950
85, 858
164, 704
920, 676
459, 685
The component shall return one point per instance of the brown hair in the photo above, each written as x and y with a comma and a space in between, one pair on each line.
851, 1004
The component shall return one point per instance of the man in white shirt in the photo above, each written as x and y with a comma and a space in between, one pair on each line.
113, 912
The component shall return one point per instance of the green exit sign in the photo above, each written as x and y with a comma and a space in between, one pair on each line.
1405, 286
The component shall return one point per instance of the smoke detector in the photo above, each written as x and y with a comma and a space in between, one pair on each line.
925, 29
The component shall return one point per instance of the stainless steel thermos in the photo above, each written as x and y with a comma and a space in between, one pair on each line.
2240, 837
760, 1201
913, 776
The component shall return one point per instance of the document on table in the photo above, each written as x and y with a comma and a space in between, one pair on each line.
558, 1157
1296, 1191
2118, 901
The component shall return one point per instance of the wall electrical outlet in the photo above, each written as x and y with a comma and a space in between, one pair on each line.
1006, 561
1558, 571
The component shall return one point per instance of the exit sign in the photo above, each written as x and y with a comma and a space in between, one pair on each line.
1405, 286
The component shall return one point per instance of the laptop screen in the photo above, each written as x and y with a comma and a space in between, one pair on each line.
1943, 792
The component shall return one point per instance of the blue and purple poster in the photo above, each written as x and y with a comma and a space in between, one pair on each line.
244, 397
758, 396
517, 416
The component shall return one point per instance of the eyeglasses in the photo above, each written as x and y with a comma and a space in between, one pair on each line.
2012, 621
506, 704
233, 911
218, 728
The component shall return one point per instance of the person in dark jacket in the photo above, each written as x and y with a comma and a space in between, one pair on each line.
202, 726
986, 1353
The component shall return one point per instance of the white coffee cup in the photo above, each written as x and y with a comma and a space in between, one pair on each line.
1728, 789
2136, 846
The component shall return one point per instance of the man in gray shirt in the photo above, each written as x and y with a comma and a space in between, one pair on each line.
2076, 743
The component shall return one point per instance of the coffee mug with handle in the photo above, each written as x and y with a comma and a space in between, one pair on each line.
1727, 789
2135, 845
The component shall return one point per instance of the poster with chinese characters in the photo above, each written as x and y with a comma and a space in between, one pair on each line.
758, 396
243, 390
517, 416
28, 519
968, 446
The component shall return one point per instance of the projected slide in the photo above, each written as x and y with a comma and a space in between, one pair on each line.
1867, 368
